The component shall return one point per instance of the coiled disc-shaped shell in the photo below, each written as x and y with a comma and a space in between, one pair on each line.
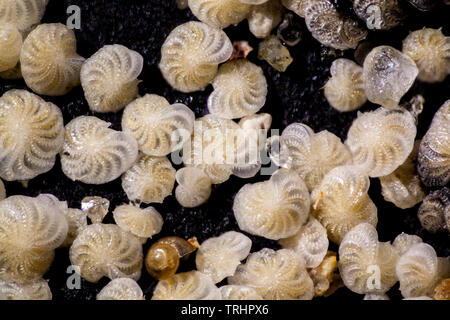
105, 250
430, 50
49, 62
219, 13
10, 45
240, 89
310, 242
191, 54
345, 89
121, 289
381, 140
24, 14
388, 74
236, 292
194, 187
143, 223
275, 275
219, 257
273, 209
363, 261
404, 241
158, 127
264, 17
329, 27
434, 150
93, 153
379, 14
30, 230
150, 179
435, 210
31, 134
38, 290
77, 221
341, 202
192, 285
109, 78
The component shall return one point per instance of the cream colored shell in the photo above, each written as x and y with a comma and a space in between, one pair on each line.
49, 62
388, 74
345, 89
109, 78
403, 187
30, 230
24, 14
10, 45
381, 140
430, 50
274, 209
341, 202
31, 134
240, 89
95, 154
77, 221
275, 275
362, 258
158, 127
264, 17
194, 187
191, 54
236, 292
310, 242
404, 241
149, 180
218, 257
192, 285
105, 250
38, 290
219, 13
121, 289
143, 223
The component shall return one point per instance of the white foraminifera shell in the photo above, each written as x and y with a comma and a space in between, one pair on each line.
191, 54
158, 127
404, 241
264, 17
49, 62
381, 140
218, 257
194, 187
38, 290
143, 223
31, 135
150, 179
273, 209
219, 13
109, 78
10, 46
105, 250
275, 275
95, 154
24, 14
192, 285
366, 265
237, 292
121, 289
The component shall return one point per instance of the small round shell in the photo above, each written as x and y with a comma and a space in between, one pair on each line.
77, 221
30, 230
275, 275
388, 74
219, 257
121, 289
264, 17
38, 290
49, 62
381, 140
403, 187
345, 89
109, 78
191, 54
158, 127
149, 180
434, 210
430, 50
192, 285
240, 89
434, 150
404, 241
236, 292
194, 187
273, 209
95, 154
143, 223
24, 14
379, 14
310, 242
10, 45
105, 250
31, 134
219, 13
341, 202
363, 261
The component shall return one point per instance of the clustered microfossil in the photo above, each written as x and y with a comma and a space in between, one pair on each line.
316, 199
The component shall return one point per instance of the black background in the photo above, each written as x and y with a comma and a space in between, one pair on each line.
294, 96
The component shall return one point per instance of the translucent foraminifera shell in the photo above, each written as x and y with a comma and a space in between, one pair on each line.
10, 46
379, 14
121, 289
219, 13
38, 290
237, 292
404, 241
262, 18
434, 212
24, 14
194, 187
